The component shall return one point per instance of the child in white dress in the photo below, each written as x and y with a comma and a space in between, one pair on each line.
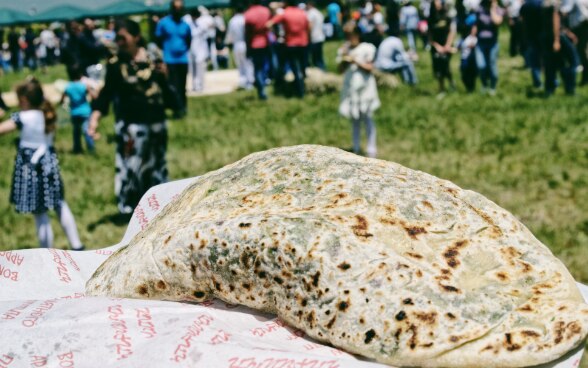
359, 97
36, 184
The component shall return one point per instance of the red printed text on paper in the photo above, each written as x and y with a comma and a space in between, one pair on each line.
124, 348
193, 331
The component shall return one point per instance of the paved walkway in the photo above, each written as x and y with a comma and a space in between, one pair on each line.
217, 83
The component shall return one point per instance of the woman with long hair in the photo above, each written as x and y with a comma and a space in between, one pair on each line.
488, 19
442, 31
36, 183
140, 92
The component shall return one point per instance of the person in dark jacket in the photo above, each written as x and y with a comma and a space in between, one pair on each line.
91, 50
393, 17
531, 17
140, 92
559, 54
442, 30
14, 48
70, 47
30, 51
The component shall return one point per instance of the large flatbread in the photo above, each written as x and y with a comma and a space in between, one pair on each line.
367, 255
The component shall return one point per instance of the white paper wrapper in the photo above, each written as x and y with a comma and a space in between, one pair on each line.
45, 319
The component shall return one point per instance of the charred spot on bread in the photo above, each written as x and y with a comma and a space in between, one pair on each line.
369, 335
344, 266
343, 305
199, 294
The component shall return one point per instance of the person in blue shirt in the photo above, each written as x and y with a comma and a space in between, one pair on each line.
335, 18
76, 91
175, 37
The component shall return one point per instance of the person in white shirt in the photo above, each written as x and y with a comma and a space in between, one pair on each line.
236, 37
366, 7
199, 49
37, 186
425, 8
372, 24
359, 95
209, 24
577, 14
107, 37
409, 20
49, 44
317, 35
379, 20
220, 49
392, 58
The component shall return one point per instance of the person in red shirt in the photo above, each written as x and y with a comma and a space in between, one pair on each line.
256, 36
296, 28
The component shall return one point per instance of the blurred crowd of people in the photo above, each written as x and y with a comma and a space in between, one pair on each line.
73, 42
269, 40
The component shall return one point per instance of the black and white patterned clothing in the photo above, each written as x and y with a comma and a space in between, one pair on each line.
139, 161
36, 183
140, 93
140, 90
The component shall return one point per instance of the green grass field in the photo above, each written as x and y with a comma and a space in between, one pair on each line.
528, 154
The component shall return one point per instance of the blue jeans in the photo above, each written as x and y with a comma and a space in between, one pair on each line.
295, 58
406, 70
411, 38
260, 57
533, 60
316, 55
80, 124
487, 62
